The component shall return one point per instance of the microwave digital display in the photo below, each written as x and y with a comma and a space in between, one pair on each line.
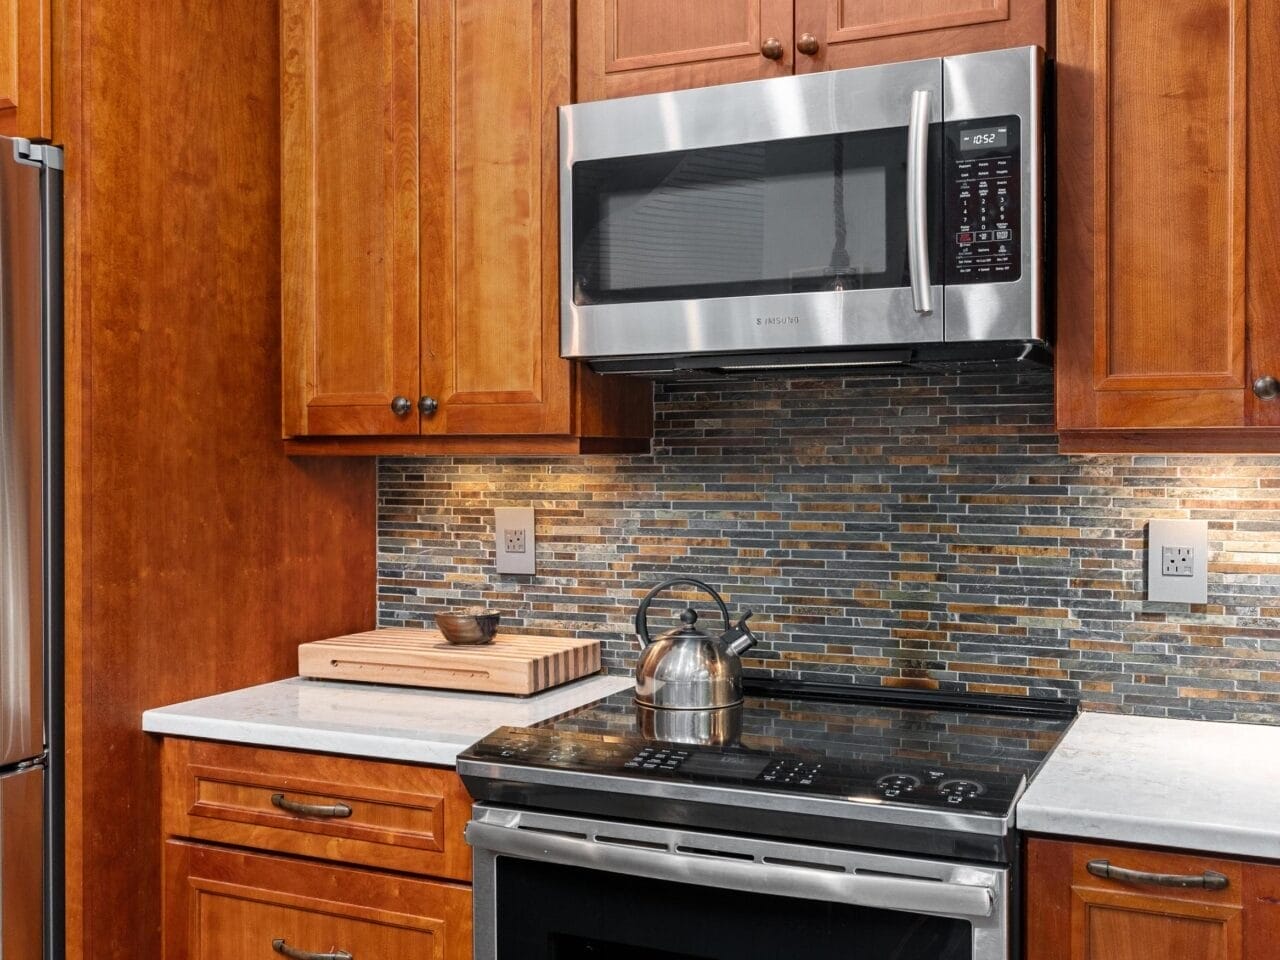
991, 138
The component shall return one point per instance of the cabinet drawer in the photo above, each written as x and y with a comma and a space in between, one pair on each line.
222, 903
394, 816
1156, 864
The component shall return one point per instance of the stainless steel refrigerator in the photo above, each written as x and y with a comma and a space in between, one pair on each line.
30, 550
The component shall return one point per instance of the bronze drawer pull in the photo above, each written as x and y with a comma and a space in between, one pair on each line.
1206, 881
336, 810
293, 953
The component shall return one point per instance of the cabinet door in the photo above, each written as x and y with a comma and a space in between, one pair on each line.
1075, 915
25, 89
1166, 268
854, 33
494, 73
221, 904
628, 47
349, 219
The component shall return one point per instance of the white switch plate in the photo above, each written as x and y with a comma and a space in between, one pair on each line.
1178, 561
513, 540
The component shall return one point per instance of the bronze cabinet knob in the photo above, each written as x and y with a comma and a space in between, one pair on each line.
401, 405
428, 405
807, 44
771, 49
1266, 388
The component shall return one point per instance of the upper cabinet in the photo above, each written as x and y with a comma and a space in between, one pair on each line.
628, 47
1168, 209
420, 233
26, 95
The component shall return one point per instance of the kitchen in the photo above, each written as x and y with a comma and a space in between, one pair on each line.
956, 531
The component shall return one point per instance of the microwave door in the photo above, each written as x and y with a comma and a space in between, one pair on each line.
789, 214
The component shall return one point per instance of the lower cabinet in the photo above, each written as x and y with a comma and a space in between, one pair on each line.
278, 853
223, 903
1101, 902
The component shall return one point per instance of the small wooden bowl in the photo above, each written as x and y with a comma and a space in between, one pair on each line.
473, 626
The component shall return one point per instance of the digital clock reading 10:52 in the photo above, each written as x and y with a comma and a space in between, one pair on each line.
992, 138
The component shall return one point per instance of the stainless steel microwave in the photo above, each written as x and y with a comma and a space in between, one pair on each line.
878, 215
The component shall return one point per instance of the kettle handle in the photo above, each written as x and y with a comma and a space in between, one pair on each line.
642, 615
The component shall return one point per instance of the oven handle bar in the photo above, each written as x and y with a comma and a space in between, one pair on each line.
933, 897
918, 203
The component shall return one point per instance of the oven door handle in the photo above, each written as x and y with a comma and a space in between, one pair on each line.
887, 892
918, 203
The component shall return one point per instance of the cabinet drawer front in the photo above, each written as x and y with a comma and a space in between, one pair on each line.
385, 815
1158, 864
224, 903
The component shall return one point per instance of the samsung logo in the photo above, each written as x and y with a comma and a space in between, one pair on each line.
777, 321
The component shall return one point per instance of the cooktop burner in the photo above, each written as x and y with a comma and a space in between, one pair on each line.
910, 760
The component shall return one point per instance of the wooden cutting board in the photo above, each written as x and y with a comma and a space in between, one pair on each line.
513, 663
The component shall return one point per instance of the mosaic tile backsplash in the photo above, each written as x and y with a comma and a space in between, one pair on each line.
913, 530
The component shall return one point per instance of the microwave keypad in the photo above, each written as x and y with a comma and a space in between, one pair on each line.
983, 201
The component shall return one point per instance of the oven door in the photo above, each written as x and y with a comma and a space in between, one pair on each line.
797, 213
550, 887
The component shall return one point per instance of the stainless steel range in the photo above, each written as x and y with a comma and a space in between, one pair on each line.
826, 821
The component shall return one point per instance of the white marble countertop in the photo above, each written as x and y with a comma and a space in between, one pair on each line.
1187, 784
366, 720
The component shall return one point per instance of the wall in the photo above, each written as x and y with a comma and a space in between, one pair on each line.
915, 530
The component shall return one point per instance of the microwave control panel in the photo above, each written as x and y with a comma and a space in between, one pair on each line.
983, 200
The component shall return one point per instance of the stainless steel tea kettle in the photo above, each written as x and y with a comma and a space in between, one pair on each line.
688, 668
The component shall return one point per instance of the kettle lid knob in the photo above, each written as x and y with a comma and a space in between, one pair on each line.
689, 617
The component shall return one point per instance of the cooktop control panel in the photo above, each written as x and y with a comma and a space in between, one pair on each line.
740, 767
983, 200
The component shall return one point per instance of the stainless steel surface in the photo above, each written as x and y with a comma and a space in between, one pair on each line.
327, 810
22, 880
841, 101
771, 49
428, 405
400, 406
719, 727
1209, 880
807, 44
1003, 83
22, 624
977, 894
1266, 388
687, 668
469, 627
918, 203
281, 946
755, 799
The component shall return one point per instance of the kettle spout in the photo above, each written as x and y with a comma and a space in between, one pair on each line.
739, 639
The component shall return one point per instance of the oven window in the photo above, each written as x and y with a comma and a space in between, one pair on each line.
785, 216
552, 912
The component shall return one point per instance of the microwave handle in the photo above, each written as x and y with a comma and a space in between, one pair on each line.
917, 203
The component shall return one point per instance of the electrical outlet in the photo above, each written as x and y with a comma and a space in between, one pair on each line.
514, 546
1178, 561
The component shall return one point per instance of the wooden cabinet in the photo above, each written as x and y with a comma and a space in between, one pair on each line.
1074, 914
322, 853
420, 231
628, 47
26, 93
855, 33
224, 903
1168, 206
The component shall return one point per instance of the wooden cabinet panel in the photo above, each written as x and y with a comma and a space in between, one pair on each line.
629, 47
1074, 915
1167, 289
349, 215
493, 75
26, 94
400, 817
855, 33
222, 904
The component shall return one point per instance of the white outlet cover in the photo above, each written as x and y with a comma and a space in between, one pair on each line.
1178, 589
514, 518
